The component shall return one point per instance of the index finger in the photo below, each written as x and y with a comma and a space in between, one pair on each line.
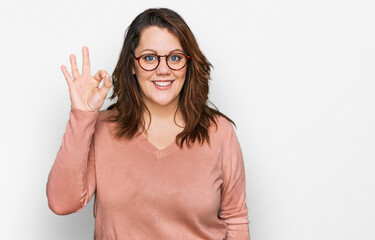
86, 60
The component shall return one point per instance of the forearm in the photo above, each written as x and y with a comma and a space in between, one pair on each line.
67, 187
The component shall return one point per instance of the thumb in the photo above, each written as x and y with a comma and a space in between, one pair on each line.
107, 84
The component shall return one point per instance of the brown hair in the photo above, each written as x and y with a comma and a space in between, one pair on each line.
193, 98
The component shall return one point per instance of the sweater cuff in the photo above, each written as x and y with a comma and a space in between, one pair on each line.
81, 113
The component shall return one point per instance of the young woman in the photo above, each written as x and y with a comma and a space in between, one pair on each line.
161, 162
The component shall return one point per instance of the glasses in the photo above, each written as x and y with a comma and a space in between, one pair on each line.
151, 61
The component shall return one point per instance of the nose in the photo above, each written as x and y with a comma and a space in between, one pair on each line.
163, 66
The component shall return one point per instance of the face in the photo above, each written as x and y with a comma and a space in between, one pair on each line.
163, 85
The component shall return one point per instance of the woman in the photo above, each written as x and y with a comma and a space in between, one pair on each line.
162, 164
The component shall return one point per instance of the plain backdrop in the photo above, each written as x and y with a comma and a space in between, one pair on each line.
296, 76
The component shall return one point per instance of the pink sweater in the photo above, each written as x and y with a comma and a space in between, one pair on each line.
142, 192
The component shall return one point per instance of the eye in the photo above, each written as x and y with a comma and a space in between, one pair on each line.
175, 57
149, 58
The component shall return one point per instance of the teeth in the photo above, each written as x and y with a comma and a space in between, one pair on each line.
163, 84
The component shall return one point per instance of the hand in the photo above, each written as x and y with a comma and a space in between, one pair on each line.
84, 90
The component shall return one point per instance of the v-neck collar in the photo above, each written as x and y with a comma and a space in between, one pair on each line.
158, 153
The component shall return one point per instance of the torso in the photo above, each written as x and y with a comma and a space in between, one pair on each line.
174, 192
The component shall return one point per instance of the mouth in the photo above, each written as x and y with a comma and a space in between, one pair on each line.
164, 83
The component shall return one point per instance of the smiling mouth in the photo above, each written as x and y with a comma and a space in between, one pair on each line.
163, 83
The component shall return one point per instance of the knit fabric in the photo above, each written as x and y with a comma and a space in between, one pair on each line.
142, 192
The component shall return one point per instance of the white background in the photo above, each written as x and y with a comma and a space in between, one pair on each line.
296, 76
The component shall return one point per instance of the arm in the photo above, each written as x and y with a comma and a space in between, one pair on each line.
233, 199
71, 182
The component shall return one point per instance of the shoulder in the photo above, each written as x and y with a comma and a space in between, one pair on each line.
224, 130
228, 140
103, 117
104, 114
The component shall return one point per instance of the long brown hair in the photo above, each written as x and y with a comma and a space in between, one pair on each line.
193, 98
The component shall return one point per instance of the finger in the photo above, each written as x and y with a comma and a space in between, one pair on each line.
73, 63
67, 76
100, 75
106, 85
86, 60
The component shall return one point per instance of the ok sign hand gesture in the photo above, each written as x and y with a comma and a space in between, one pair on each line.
84, 90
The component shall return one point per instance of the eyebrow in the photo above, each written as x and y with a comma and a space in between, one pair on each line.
151, 50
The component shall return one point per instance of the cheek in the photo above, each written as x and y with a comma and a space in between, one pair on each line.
181, 75
143, 79
141, 74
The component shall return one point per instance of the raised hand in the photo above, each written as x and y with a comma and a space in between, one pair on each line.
84, 90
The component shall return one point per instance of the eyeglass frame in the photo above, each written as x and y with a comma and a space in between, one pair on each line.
166, 60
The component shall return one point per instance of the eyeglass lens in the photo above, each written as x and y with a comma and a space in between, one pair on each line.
151, 61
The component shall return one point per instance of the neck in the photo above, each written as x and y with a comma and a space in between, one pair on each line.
163, 114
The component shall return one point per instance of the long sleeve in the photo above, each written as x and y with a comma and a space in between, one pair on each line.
71, 182
233, 200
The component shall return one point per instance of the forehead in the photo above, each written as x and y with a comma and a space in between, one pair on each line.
160, 40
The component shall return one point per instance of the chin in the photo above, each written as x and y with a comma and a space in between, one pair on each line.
164, 101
